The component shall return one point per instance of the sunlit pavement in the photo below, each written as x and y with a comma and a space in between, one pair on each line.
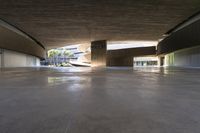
110, 100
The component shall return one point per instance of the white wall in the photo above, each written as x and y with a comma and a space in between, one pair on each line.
16, 59
169, 60
187, 58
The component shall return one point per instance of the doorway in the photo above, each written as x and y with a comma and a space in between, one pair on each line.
162, 61
1, 58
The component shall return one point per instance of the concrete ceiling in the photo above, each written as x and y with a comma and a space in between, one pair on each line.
57, 23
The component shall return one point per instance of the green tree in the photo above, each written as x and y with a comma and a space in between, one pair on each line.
53, 53
68, 53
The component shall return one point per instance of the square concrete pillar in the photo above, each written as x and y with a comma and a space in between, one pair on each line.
98, 53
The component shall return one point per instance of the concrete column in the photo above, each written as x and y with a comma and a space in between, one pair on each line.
98, 53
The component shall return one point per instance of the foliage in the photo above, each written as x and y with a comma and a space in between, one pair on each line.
64, 64
68, 53
60, 57
53, 53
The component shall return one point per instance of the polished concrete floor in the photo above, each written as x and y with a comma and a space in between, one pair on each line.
112, 100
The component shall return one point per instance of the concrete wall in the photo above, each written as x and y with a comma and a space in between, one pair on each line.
86, 58
16, 59
185, 37
98, 53
182, 45
16, 40
120, 61
189, 57
124, 57
0, 60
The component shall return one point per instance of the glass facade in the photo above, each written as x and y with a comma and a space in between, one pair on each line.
145, 61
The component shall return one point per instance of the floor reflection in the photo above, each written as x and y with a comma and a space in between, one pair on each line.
115, 99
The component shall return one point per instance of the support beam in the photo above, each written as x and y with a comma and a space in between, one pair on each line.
187, 37
16, 40
120, 61
98, 53
124, 57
